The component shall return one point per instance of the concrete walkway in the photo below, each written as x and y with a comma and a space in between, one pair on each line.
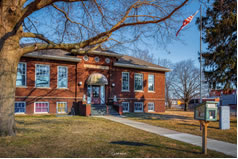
220, 146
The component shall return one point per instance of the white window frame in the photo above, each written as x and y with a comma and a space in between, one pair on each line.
25, 74
24, 106
66, 107
128, 107
35, 75
58, 76
139, 110
41, 112
125, 90
152, 83
141, 81
153, 107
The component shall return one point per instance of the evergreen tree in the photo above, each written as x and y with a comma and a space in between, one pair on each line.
220, 32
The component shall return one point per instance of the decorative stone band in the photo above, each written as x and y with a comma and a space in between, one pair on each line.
96, 67
154, 99
95, 52
141, 67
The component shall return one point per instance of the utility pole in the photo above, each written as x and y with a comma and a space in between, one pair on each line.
200, 53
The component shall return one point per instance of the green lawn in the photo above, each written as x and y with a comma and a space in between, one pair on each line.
183, 121
50, 136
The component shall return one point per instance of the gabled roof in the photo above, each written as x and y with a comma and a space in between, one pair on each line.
123, 60
132, 62
53, 54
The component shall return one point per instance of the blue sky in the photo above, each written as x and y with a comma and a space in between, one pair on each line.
187, 44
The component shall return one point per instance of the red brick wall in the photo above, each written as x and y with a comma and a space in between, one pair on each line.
75, 92
158, 96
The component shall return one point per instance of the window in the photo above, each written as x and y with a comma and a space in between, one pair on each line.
85, 58
20, 107
125, 106
97, 59
41, 107
138, 107
62, 77
42, 76
61, 107
107, 60
151, 83
151, 107
138, 82
125, 81
21, 74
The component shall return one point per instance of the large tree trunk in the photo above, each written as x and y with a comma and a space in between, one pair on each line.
10, 12
8, 72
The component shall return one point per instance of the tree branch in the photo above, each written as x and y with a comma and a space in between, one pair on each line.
38, 36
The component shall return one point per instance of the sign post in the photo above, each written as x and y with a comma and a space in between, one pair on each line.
205, 112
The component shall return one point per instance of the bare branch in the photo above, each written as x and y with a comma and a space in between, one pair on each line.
38, 36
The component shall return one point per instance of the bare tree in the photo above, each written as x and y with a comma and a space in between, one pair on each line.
185, 82
169, 79
144, 55
71, 25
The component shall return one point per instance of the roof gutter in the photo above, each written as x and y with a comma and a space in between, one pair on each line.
141, 67
51, 57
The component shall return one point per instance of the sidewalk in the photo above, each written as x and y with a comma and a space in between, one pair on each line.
220, 146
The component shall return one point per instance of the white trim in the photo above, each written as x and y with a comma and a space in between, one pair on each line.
153, 83
35, 75
25, 74
142, 106
142, 82
58, 77
51, 57
153, 106
24, 106
66, 107
125, 90
141, 67
128, 107
41, 112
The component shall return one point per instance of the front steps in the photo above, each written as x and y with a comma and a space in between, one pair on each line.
99, 110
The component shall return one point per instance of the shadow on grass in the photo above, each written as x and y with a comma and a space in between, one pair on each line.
39, 122
152, 116
130, 143
26, 130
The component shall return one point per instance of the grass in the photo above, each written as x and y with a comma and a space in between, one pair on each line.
183, 122
66, 137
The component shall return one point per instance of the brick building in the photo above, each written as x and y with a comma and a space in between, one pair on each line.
102, 82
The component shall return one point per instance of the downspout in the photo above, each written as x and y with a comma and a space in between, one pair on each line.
76, 82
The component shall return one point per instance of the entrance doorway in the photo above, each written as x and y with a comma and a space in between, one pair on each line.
96, 94
96, 88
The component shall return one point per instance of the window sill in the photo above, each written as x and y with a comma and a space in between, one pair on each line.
138, 111
125, 91
43, 87
151, 111
20, 113
21, 87
41, 112
151, 91
62, 88
138, 91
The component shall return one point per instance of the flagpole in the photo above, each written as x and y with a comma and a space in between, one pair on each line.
200, 53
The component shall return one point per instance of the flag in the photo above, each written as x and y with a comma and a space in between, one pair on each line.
186, 22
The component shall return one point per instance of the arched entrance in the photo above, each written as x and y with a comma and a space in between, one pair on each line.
96, 88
